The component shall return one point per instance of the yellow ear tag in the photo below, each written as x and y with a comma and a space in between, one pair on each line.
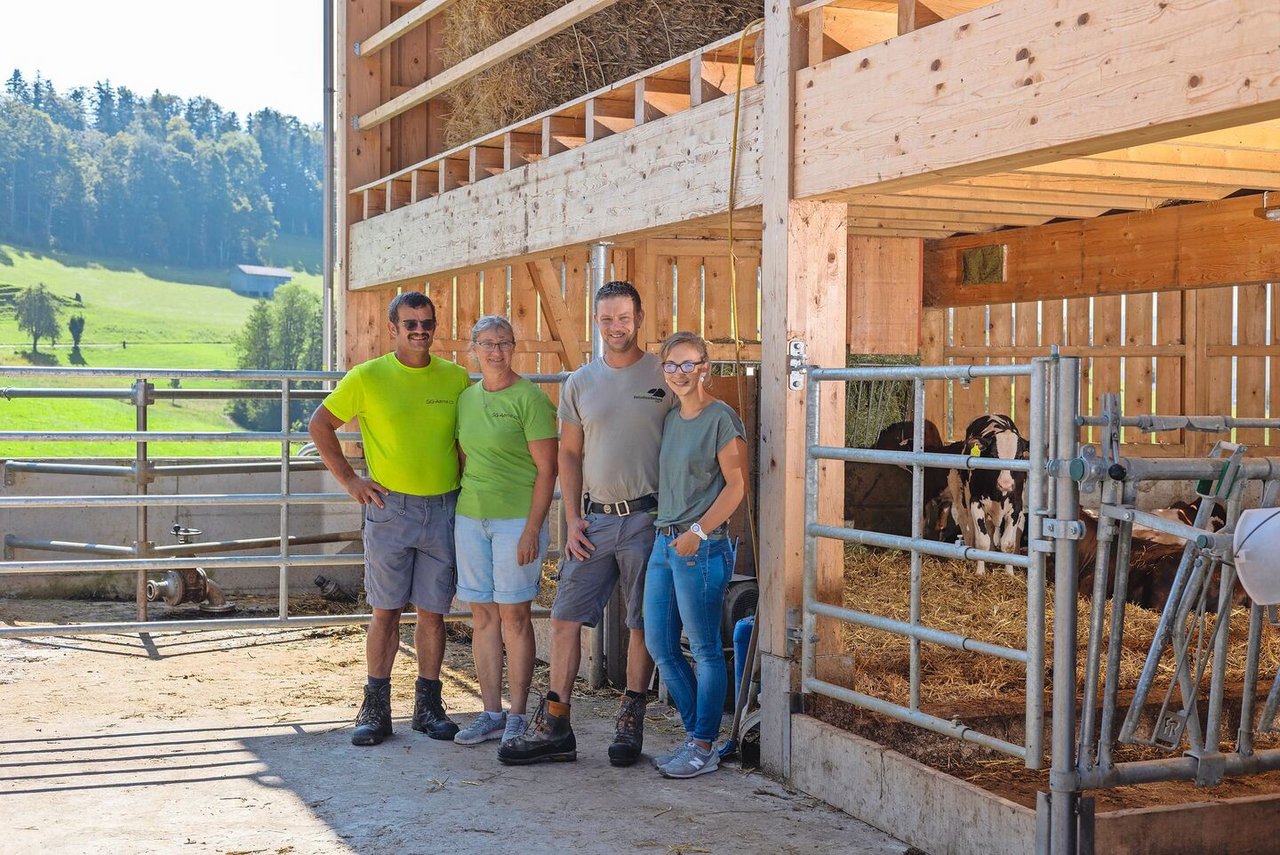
976, 451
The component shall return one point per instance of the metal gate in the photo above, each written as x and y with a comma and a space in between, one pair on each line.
1088, 721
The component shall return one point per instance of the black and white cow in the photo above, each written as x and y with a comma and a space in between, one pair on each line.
987, 505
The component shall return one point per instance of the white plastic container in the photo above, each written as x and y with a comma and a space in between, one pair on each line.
1257, 548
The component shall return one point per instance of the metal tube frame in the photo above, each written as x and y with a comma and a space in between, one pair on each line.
142, 557
1031, 752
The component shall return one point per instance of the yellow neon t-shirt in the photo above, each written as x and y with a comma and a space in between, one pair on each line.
408, 420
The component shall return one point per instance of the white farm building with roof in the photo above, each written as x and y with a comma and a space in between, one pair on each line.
254, 281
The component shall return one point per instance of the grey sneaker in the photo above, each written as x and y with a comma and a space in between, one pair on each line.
691, 761
516, 723
482, 728
663, 759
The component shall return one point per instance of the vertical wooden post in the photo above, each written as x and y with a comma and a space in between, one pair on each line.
360, 156
805, 271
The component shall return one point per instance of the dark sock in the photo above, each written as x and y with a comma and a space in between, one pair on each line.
633, 695
379, 682
554, 697
424, 683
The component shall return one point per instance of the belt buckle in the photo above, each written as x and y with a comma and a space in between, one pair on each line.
623, 508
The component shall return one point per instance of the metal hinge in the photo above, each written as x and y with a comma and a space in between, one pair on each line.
1064, 529
797, 359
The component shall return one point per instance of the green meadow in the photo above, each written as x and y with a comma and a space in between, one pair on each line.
136, 316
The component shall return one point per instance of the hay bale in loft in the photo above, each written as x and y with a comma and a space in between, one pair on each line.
620, 41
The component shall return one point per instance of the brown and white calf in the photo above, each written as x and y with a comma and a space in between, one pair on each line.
987, 505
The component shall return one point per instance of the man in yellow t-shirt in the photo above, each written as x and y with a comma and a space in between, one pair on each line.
407, 403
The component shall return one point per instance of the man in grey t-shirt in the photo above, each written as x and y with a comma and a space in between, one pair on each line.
611, 411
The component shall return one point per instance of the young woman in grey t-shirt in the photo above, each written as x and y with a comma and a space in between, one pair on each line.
701, 482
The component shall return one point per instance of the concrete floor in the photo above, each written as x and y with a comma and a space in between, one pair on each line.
238, 742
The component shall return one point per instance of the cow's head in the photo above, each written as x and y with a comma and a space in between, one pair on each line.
997, 436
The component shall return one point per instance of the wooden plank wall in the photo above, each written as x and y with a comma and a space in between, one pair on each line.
1195, 351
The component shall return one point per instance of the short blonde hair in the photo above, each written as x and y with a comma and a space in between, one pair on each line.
685, 337
491, 322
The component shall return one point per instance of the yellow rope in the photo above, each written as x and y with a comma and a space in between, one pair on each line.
733, 274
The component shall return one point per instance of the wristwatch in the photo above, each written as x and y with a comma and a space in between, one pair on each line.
697, 529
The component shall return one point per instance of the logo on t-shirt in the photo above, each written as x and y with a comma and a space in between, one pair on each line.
440, 401
654, 394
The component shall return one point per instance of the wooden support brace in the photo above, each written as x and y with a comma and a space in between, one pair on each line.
453, 174
420, 14
521, 147
701, 87
484, 163
561, 133
608, 116
555, 312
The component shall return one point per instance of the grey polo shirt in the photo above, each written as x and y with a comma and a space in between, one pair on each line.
621, 413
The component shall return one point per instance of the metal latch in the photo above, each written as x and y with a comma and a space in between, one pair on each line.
797, 359
1064, 529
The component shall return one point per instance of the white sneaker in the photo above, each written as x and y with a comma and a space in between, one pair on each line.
516, 724
483, 728
691, 762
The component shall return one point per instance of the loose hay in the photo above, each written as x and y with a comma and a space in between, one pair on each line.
990, 608
989, 692
627, 38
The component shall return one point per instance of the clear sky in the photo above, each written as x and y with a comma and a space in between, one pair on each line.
244, 54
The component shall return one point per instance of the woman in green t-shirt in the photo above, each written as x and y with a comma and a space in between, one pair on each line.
507, 435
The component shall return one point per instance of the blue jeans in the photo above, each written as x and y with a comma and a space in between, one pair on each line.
689, 590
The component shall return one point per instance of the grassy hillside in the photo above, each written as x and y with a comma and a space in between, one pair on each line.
136, 316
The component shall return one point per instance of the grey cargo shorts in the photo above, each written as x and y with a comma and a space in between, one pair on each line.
622, 552
409, 552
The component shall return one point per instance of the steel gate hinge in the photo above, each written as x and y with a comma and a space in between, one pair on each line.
797, 359
1064, 529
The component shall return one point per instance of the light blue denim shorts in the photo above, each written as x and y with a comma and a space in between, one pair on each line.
487, 568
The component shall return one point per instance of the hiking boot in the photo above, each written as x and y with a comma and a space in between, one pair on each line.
429, 716
628, 735
482, 729
548, 738
373, 722
691, 761
516, 724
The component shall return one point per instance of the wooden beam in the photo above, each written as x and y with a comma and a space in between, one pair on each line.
420, 14
1051, 85
1183, 247
569, 200
912, 15
804, 292
539, 31
554, 311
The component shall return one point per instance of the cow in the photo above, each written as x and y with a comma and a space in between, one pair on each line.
1153, 563
899, 436
987, 505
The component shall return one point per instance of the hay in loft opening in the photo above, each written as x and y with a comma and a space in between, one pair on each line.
625, 39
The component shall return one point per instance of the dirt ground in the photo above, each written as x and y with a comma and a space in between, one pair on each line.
237, 742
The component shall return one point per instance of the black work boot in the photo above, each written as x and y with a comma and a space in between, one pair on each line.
548, 737
628, 735
429, 716
373, 722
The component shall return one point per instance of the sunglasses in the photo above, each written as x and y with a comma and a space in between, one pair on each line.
491, 346
412, 325
686, 367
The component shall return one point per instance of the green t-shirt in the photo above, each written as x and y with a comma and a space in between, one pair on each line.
408, 421
494, 430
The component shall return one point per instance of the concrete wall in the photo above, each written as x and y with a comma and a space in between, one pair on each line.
117, 526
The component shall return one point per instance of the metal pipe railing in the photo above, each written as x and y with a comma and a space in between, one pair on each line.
917, 546
142, 556
408, 617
